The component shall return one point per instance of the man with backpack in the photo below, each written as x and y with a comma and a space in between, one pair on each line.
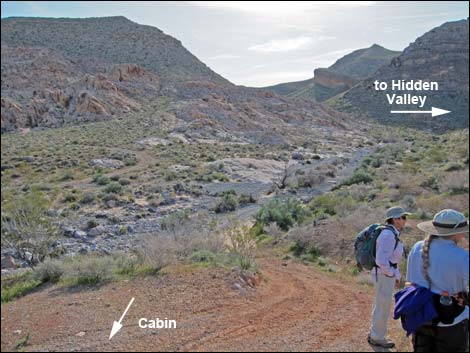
386, 274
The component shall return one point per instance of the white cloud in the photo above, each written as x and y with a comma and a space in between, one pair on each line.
272, 78
279, 45
278, 8
224, 57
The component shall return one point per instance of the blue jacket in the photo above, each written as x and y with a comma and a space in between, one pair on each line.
415, 306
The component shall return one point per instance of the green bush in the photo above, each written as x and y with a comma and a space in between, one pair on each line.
228, 203
27, 226
88, 198
70, 198
332, 204
304, 250
358, 177
203, 256
284, 213
101, 179
124, 182
92, 223
18, 290
246, 199
113, 188
49, 271
89, 270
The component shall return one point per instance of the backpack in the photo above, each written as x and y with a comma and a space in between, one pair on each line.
365, 245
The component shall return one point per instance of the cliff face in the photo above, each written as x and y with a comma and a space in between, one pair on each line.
328, 83
441, 55
340, 76
41, 88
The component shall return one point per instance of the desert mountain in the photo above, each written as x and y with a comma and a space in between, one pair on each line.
440, 55
58, 72
339, 77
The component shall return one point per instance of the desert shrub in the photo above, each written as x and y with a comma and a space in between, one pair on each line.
333, 204
456, 182
310, 180
204, 256
70, 198
283, 213
113, 188
124, 181
431, 182
246, 199
92, 223
358, 177
89, 270
49, 271
101, 179
88, 198
180, 238
227, 204
66, 176
302, 243
27, 227
242, 243
409, 202
273, 230
18, 289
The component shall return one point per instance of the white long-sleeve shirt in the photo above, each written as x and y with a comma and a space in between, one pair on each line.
386, 253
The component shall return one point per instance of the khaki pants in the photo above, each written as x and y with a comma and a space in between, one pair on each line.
383, 299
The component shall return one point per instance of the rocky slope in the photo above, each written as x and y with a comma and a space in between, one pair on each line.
60, 71
339, 77
363, 63
109, 40
441, 55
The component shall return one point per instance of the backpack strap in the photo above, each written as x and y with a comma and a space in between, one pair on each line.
392, 229
397, 240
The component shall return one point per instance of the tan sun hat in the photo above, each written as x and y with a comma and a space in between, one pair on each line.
395, 212
445, 222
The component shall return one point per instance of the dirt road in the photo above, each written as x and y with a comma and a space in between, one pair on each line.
295, 308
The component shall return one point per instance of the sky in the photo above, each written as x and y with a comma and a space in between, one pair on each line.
262, 43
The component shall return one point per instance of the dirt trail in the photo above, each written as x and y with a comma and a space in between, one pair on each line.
295, 308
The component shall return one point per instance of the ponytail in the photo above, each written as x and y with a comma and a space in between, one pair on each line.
425, 258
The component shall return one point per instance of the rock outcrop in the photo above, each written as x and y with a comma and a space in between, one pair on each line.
441, 55
340, 76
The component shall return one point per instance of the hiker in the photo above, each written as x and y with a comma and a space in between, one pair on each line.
386, 274
441, 266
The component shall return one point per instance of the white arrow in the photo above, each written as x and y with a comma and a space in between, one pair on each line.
434, 112
117, 325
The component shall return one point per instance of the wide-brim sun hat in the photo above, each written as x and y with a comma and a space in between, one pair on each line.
395, 212
445, 222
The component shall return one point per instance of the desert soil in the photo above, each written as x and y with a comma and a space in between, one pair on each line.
294, 307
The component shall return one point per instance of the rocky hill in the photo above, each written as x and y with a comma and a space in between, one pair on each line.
363, 63
109, 40
58, 72
61, 71
441, 55
339, 77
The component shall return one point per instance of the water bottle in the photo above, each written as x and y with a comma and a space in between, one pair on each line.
445, 299
445, 309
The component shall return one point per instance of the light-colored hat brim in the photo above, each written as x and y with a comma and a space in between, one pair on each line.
430, 228
398, 216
